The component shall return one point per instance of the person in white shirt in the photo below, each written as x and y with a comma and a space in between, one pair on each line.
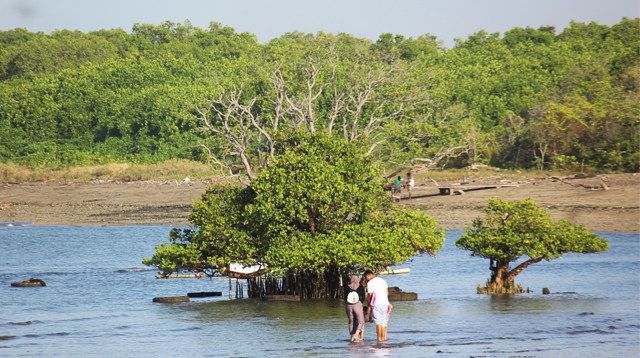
409, 183
378, 300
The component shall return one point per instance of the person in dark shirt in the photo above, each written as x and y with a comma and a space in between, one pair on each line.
354, 298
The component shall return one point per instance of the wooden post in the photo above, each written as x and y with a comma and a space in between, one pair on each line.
230, 289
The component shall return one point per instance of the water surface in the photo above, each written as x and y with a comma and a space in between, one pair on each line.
97, 302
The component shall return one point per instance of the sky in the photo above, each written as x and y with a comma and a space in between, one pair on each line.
447, 19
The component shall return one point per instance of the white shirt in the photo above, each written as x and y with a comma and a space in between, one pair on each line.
379, 286
411, 182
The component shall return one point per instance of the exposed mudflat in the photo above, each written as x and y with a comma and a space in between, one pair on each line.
169, 203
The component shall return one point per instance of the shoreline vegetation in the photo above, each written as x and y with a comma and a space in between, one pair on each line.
129, 128
179, 169
545, 98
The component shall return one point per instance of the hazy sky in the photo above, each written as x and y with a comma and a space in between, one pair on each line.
446, 19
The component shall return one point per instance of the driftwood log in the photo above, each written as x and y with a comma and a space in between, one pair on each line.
174, 299
563, 180
204, 294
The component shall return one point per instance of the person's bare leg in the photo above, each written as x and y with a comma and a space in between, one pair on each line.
379, 332
384, 333
355, 336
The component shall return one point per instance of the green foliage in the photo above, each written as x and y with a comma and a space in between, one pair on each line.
596, 122
409, 49
324, 207
512, 229
317, 206
69, 97
544, 35
222, 237
571, 92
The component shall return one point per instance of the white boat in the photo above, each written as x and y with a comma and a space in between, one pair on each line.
241, 269
394, 272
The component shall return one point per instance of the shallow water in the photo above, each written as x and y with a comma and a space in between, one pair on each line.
97, 302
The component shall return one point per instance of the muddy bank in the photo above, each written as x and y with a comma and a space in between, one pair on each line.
169, 203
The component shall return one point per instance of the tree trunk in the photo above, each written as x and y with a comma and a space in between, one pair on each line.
312, 220
513, 273
501, 276
499, 273
247, 166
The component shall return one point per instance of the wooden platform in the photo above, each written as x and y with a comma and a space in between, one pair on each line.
187, 276
281, 298
451, 189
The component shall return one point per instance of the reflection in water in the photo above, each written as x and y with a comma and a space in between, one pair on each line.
536, 304
378, 352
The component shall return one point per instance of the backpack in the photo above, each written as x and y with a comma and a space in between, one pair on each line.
353, 297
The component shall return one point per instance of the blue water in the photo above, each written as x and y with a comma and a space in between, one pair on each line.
97, 303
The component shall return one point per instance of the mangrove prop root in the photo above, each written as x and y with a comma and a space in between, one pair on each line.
307, 284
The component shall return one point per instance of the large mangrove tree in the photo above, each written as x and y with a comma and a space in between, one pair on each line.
315, 214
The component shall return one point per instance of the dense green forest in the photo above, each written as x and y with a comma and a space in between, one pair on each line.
529, 98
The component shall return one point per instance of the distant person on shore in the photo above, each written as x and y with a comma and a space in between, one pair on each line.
377, 287
409, 183
397, 191
354, 297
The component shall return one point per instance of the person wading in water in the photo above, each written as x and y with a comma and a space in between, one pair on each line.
378, 288
354, 297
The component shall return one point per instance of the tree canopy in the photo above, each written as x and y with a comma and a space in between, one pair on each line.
317, 207
512, 229
528, 98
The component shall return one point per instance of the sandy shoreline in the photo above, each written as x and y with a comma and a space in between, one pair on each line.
169, 203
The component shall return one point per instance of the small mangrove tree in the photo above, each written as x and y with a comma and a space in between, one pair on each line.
512, 229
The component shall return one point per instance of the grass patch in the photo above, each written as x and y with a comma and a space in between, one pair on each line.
178, 169
168, 170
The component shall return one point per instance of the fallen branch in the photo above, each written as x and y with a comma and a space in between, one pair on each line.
602, 186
